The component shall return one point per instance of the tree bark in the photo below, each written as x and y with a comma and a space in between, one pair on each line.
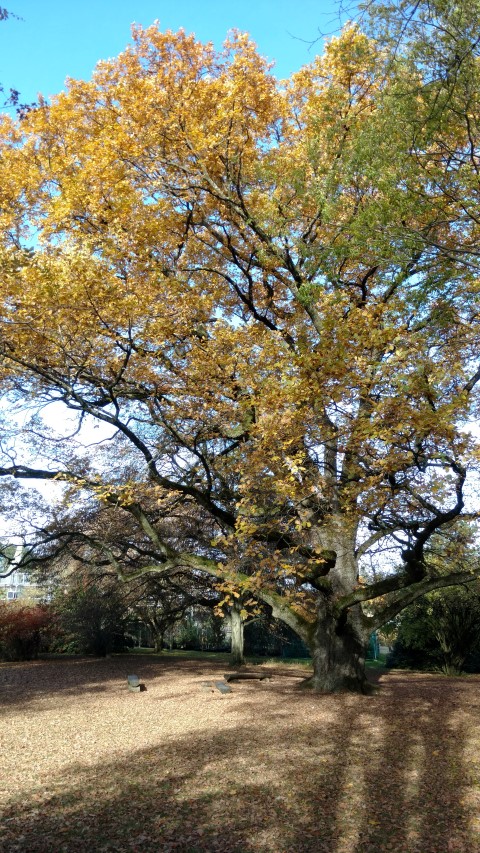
158, 642
236, 622
337, 647
338, 639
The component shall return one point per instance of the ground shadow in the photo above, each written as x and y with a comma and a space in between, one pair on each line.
21, 683
343, 774
24, 682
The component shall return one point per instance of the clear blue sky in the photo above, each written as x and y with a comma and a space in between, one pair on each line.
65, 38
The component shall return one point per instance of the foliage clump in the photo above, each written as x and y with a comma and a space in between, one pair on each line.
91, 620
23, 631
440, 631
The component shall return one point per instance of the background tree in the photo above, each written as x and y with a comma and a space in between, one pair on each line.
269, 293
441, 630
92, 617
201, 630
163, 602
265, 636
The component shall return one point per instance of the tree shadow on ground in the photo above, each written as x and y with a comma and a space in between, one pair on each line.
29, 680
357, 775
24, 682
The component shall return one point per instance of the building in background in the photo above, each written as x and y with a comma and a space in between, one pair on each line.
18, 584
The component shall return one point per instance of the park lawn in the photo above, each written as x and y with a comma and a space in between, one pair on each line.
223, 657
86, 765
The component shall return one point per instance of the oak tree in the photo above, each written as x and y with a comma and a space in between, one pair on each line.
269, 292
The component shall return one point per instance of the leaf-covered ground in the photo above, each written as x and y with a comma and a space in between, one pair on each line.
86, 765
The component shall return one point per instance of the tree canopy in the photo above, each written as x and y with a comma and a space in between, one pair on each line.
269, 291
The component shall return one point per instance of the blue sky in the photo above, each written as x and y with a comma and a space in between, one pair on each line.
65, 38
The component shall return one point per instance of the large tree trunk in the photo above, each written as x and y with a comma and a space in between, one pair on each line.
236, 622
337, 647
338, 641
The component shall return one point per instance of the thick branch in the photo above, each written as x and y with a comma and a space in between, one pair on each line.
416, 590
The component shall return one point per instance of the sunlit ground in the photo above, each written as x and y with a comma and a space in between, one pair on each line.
88, 766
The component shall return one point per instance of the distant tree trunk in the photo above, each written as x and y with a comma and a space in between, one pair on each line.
237, 626
158, 641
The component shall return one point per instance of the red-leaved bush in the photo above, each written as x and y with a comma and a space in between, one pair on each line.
22, 630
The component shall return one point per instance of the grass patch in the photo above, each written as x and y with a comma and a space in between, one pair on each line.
252, 660
376, 664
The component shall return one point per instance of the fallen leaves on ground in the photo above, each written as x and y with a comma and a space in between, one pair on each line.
88, 765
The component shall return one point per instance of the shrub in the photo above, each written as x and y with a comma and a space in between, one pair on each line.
92, 620
440, 631
23, 630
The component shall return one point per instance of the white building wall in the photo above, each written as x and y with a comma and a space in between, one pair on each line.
17, 583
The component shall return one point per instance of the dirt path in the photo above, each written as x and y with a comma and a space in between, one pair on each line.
85, 765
